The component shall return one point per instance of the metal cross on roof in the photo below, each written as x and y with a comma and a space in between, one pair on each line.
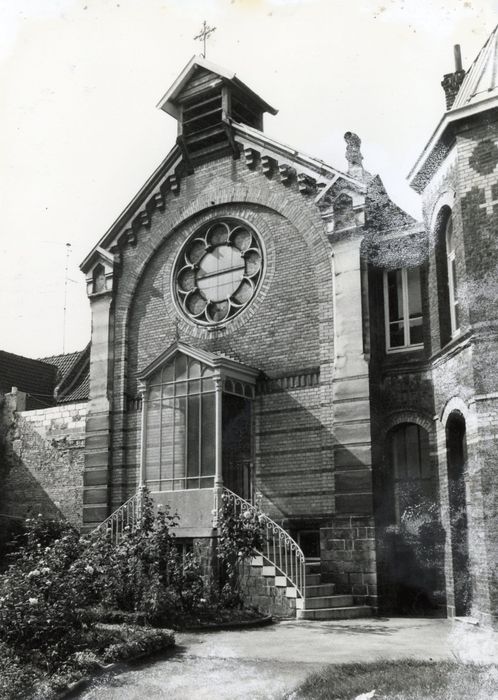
203, 35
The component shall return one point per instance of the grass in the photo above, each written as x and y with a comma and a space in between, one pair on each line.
401, 680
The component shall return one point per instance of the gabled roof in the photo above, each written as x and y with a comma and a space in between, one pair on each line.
480, 82
478, 93
225, 365
168, 102
36, 378
73, 375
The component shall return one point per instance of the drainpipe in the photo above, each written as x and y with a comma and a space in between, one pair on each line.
218, 453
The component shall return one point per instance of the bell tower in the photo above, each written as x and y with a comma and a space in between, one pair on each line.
206, 100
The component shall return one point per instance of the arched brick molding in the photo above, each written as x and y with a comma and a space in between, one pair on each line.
397, 418
457, 404
445, 202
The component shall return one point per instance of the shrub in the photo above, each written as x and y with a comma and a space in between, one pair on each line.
241, 534
143, 572
40, 594
16, 677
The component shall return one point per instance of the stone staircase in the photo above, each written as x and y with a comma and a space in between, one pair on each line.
320, 601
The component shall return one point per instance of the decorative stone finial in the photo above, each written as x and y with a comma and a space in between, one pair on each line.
353, 154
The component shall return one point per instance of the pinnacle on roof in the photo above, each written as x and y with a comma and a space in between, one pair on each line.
480, 82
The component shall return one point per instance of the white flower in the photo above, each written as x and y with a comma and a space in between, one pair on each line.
247, 514
45, 570
47, 549
261, 519
33, 573
89, 569
33, 601
159, 506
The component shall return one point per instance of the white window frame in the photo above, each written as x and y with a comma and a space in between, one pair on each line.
452, 290
406, 315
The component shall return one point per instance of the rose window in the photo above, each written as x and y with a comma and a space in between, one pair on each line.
218, 272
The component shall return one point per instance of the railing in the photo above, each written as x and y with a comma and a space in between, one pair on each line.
126, 516
279, 548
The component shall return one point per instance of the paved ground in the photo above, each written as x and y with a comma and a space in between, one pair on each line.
265, 663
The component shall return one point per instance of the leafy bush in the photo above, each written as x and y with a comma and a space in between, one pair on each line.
241, 534
16, 677
134, 575
40, 594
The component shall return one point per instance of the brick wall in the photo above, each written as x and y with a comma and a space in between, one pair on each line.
283, 332
464, 369
44, 458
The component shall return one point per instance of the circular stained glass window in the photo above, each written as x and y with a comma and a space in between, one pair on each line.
218, 271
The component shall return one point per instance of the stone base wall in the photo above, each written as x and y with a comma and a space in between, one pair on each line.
348, 557
43, 460
260, 593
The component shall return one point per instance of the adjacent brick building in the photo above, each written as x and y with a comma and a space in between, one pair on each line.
265, 322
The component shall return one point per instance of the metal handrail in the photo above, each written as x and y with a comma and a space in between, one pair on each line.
280, 549
127, 515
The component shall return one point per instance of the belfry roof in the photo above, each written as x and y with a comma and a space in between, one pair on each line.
480, 82
197, 64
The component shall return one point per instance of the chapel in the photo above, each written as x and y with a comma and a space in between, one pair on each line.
269, 329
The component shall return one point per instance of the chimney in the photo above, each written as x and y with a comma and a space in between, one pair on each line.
452, 81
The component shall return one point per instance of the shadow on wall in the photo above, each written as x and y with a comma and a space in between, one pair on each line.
312, 480
41, 475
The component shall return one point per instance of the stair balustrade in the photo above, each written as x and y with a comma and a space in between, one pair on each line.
127, 515
279, 549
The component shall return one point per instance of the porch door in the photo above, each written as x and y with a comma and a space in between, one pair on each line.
236, 436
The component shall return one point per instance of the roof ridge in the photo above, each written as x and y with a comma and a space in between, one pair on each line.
25, 357
484, 64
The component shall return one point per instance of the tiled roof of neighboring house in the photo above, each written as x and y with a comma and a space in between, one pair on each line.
72, 375
34, 377
64, 363
49, 380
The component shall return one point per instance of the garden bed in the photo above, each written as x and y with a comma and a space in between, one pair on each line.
107, 645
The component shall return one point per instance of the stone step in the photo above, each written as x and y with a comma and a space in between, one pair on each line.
347, 613
328, 601
290, 592
320, 590
313, 567
280, 581
257, 561
269, 571
313, 580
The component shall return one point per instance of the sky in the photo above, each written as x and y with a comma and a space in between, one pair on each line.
79, 85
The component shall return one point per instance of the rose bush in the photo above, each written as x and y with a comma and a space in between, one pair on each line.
241, 535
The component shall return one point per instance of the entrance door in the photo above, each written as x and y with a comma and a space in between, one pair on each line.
456, 446
237, 471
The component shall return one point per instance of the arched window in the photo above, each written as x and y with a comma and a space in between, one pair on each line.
98, 279
410, 467
452, 276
